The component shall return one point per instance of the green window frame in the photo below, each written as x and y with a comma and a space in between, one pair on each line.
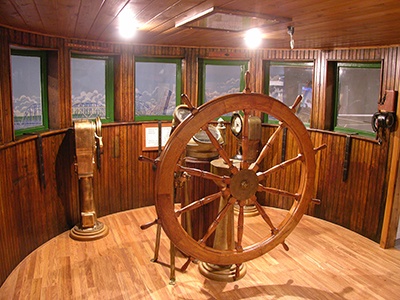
158, 87
210, 87
356, 100
92, 96
299, 76
30, 111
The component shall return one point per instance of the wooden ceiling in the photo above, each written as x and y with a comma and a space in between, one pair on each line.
318, 24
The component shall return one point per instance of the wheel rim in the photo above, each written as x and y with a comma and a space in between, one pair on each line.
242, 188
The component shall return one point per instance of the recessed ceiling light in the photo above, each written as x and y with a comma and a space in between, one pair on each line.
127, 24
253, 38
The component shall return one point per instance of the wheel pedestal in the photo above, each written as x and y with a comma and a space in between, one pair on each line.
222, 273
224, 237
249, 210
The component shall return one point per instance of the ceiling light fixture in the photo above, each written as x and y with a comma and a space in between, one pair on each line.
189, 19
290, 31
127, 24
228, 20
253, 38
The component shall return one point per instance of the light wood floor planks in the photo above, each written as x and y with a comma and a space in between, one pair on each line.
325, 261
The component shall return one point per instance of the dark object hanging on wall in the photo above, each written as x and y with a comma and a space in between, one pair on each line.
385, 117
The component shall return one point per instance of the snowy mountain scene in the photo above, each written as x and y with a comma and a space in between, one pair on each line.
161, 101
88, 105
27, 112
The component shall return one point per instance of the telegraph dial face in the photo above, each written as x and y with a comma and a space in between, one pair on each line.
236, 124
182, 112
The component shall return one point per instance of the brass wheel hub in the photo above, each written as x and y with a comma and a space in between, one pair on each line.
244, 185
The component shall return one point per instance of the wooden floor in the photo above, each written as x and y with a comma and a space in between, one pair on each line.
325, 261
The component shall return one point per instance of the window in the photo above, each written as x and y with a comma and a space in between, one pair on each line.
29, 91
357, 95
157, 88
286, 80
221, 77
92, 87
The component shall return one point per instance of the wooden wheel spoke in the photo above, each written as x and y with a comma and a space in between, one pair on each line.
220, 150
198, 203
266, 218
205, 174
256, 165
218, 219
240, 229
281, 166
278, 192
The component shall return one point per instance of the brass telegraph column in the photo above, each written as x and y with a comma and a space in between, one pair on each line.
88, 141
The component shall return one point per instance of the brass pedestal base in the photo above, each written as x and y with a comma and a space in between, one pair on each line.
248, 211
98, 231
222, 273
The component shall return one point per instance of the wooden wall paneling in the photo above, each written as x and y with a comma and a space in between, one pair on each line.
3, 75
20, 189
358, 168
335, 172
125, 180
373, 188
389, 60
259, 75
324, 89
124, 167
191, 81
132, 166
316, 139
376, 189
252, 68
115, 166
353, 196
145, 179
272, 159
351, 203
392, 205
57, 184
6, 119
330, 181
349, 194
66, 180
102, 179
124, 85
118, 90
27, 39
143, 171
53, 89
65, 88
9, 216
324, 184
368, 161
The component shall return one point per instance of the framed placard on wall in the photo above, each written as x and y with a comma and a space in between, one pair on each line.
151, 136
